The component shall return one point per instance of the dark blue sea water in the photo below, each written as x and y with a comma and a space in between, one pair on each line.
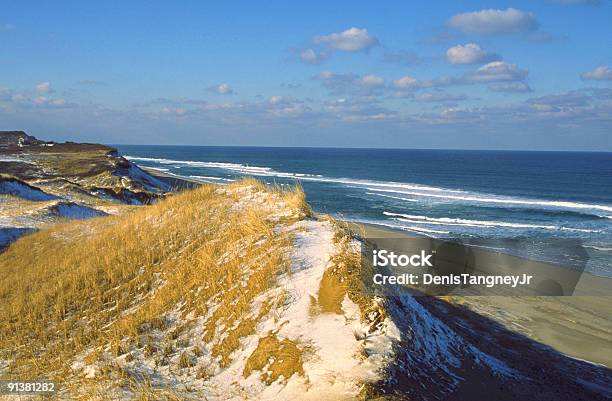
534, 196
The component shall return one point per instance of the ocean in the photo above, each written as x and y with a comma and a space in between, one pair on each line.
524, 203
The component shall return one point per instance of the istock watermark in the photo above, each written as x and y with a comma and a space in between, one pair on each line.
450, 267
382, 258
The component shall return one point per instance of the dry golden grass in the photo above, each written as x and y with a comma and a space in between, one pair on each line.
275, 358
103, 288
11, 205
344, 277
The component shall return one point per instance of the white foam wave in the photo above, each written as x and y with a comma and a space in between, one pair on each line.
598, 248
164, 170
269, 172
240, 168
447, 221
508, 201
386, 186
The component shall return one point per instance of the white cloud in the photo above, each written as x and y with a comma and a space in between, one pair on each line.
221, 89
312, 56
404, 82
470, 53
515, 87
350, 40
497, 71
492, 22
601, 73
407, 83
43, 87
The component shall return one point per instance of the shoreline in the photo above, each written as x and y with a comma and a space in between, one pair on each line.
579, 326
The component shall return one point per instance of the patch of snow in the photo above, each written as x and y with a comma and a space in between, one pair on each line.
149, 182
336, 361
11, 234
22, 190
74, 211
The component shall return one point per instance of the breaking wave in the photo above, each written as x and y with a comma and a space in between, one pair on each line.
446, 221
394, 190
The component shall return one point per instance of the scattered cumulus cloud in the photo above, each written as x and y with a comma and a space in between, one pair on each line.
601, 73
497, 76
221, 89
497, 71
494, 22
578, 108
312, 56
587, 108
43, 87
10, 99
405, 82
470, 53
351, 40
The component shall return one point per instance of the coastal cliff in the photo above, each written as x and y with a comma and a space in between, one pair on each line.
43, 182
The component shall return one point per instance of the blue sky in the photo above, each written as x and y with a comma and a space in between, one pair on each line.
472, 74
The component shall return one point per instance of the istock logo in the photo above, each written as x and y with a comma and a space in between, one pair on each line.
385, 258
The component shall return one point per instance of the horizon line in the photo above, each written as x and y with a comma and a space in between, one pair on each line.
365, 148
